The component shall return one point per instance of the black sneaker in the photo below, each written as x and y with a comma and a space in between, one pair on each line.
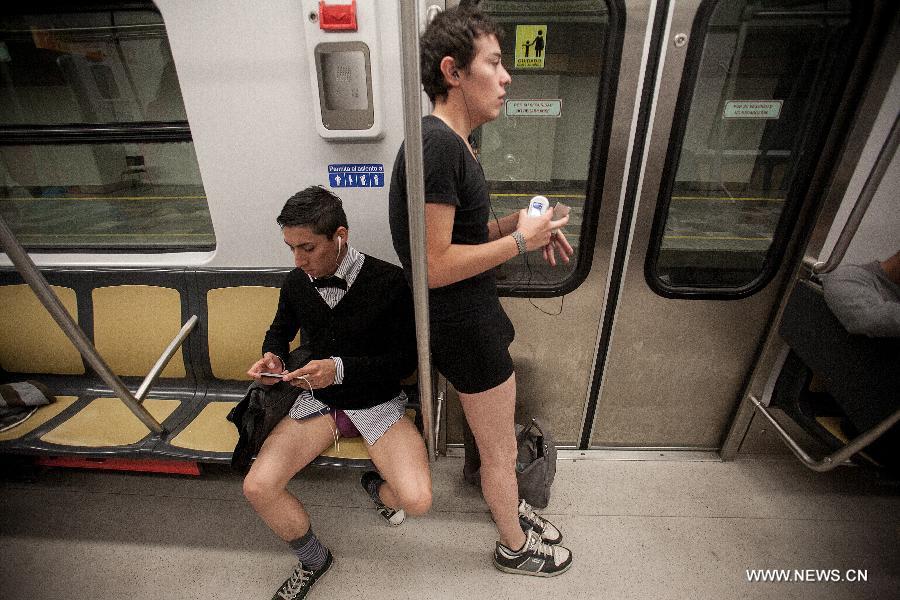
370, 481
529, 519
536, 558
297, 586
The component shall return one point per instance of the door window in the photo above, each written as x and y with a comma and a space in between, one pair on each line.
761, 82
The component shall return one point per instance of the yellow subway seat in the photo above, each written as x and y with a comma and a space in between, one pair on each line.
238, 318
210, 431
107, 422
348, 448
30, 340
133, 324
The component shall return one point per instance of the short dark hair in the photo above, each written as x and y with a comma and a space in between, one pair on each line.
316, 208
451, 33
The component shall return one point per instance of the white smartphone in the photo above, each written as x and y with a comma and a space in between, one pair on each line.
538, 206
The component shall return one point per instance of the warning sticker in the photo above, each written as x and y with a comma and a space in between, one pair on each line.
531, 43
533, 108
356, 175
752, 109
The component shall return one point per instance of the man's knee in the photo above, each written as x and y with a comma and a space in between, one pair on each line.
416, 500
257, 490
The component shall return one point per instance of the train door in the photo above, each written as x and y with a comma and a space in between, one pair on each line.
736, 153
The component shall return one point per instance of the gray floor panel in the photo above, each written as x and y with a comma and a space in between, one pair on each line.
638, 529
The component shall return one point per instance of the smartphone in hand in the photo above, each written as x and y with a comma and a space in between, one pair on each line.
560, 211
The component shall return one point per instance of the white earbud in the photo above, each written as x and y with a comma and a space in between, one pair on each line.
337, 257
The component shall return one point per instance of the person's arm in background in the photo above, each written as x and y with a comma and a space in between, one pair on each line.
852, 294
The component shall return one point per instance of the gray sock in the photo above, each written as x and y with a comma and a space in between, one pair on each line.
309, 550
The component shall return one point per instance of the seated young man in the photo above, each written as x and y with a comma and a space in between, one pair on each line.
356, 317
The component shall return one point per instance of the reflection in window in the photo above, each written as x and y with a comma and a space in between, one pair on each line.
74, 71
753, 125
137, 196
93, 67
545, 149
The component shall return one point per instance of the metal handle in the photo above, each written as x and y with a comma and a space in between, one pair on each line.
885, 155
415, 199
164, 359
839, 456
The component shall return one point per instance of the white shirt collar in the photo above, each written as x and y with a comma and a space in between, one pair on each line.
351, 258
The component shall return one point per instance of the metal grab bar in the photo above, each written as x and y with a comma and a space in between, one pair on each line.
48, 298
885, 155
164, 359
415, 199
838, 457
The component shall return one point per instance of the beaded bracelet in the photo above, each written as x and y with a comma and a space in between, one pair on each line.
520, 241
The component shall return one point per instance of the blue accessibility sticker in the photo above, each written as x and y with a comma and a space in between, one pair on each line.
355, 175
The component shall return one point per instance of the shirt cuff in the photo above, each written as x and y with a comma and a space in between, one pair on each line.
338, 370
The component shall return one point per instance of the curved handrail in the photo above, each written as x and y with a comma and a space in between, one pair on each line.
836, 458
165, 357
885, 156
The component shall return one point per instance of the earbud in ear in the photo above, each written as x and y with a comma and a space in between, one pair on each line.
340, 240
456, 74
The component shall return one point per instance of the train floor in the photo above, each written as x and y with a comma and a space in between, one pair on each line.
659, 529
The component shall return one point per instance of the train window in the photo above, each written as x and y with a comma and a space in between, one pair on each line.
559, 57
762, 78
95, 149
105, 196
110, 66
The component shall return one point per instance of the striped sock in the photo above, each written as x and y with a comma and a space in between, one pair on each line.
309, 550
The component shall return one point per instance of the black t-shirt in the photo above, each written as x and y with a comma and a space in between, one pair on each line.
452, 176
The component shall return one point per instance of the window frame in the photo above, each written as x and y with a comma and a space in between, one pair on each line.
603, 120
830, 100
64, 134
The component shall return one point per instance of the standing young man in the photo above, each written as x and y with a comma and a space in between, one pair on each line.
356, 317
470, 333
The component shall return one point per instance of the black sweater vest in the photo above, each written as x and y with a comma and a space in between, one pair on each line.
371, 329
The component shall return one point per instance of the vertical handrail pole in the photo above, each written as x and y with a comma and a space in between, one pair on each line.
870, 187
415, 198
48, 298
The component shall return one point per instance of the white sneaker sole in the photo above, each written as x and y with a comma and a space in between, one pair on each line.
396, 520
532, 573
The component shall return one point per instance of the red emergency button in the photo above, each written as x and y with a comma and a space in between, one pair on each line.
337, 17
